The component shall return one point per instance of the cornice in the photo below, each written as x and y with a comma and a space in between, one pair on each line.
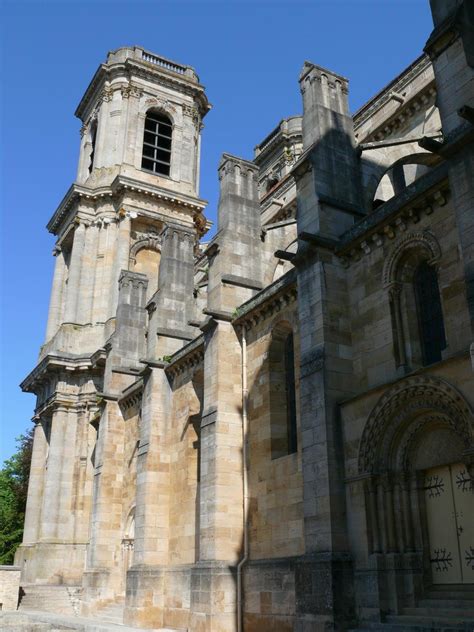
66, 402
61, 361
140, 68
267, 302
422, 99
393, 217
188, 357
131, 396
121, 183
364, 113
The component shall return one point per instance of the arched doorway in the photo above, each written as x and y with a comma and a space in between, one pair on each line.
417, 459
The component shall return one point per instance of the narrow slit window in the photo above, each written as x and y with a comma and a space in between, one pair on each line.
430, 313
283, 427
156, 155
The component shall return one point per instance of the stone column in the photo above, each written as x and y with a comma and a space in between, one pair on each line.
52, 484
89, 263
74, 278
54, 314
109, 273
35, 486
122, 250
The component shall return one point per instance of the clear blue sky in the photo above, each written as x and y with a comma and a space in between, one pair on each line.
248, 54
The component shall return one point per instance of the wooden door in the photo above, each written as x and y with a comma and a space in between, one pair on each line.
449, 499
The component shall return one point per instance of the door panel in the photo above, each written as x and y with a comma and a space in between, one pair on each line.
449, 500
440, 510
464, 506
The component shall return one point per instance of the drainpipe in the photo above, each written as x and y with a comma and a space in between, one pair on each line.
243, 560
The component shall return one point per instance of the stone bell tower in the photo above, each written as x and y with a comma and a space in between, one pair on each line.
131, 219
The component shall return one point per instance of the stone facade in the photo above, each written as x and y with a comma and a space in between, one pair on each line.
9, 587
248, 433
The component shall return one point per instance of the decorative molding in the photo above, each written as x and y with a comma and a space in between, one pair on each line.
394, 217
188, 358
131, 91
406, 403
152, 242
414, 240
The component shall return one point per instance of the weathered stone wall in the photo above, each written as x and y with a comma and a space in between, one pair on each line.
275, 485
9, 587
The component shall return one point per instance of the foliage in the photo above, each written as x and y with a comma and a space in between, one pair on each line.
13, 491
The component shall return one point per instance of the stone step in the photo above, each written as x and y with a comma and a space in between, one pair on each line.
434, 612
450, 592
111, 613
447, 603
46, 598
436, 622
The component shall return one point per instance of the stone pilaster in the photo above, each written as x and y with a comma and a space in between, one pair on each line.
103, 576
145, 593
328, 191
122, 250
55, 302
221, 501
35, 485
171, 307
329, 176
451, 49
235, 261
89, 263
74, 277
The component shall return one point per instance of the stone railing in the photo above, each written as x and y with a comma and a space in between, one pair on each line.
164, 63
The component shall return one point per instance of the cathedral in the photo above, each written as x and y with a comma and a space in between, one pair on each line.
270, 430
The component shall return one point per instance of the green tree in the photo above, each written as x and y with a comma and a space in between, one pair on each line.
13, 491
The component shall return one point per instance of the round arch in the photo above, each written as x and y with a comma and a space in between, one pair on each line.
411, 408
422, 242
151, 243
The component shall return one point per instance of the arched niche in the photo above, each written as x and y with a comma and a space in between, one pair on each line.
145, 257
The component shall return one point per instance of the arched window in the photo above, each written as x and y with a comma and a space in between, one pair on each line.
410, 277
282, 392
429, 311
93, 137
156, 154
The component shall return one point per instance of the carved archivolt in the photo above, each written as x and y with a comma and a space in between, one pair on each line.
402, 412
163, 105
152, 243
421, 240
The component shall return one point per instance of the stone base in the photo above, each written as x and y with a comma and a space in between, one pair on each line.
101, 587
391, 582
199, 597
52, 563
269, 594
324, 586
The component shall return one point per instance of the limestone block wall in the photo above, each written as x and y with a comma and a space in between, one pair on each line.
371, 320
184, 474
275, 485
9, 587
281, 238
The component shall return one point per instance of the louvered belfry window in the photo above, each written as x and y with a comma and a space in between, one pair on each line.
430, 313
157, 143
